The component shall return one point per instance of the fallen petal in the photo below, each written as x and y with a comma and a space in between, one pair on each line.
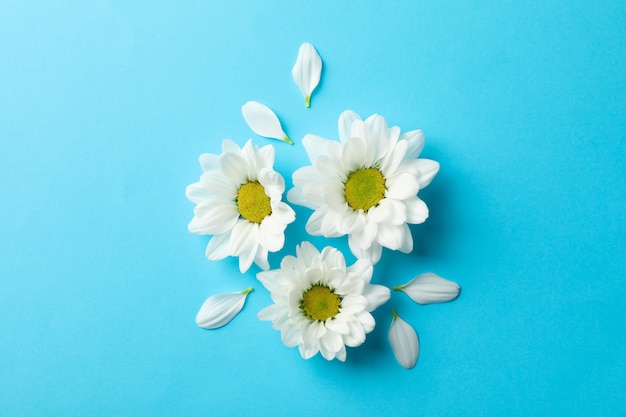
263, 121
404, 342
430, 288
219, 310
307, 71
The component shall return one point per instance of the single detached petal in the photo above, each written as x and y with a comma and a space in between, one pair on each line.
219, 310
429, 288
263, 121
404, 342
307, 70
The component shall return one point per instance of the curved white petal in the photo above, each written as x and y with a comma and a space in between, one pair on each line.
243, 243
218, 247
307, 70
263, 121
376, 296
213, 217
428, 169
430, 288
220, 309
196, 193
415, 139
346, 119
416, 210
404, 342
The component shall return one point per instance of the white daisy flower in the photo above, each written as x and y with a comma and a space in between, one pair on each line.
238, 200
320, 305
218, 310
365, 186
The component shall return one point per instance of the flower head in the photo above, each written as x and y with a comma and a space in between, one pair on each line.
365, 185
307, 71
430, 288
263, 121
239, 201
404, 342
219, 310
320, 304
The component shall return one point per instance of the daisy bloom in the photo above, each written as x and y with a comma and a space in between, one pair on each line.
320, 304
365, 186
219, 310
238, 201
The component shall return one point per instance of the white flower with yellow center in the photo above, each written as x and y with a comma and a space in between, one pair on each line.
365, 186
239, 201
320, 304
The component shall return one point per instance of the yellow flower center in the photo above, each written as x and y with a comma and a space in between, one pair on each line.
320, 303
365, 188
252, 202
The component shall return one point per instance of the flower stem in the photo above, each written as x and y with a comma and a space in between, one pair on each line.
399, 287
247, 291
286, 139
307, 101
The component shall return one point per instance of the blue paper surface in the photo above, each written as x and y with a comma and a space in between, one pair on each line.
105, 107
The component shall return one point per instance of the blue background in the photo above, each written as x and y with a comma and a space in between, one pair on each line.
105, 107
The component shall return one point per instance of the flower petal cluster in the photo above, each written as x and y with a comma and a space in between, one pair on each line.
219, 310
365, 186
239, 201
307, 71
320, 304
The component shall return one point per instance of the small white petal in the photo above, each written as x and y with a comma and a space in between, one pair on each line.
404, 342
415, 139
220, 309
307, 71
430, 288
263, 121
428, 169
218, 247
376, 296
346, 119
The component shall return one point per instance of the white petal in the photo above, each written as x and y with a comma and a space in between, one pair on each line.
260, 259
317, 146
376, 296
428, 169
416, 210
402, 186
430, 288
271, 234
196, 193
234, 167
209, 162
346, 119
390, 236
219, 185
372, 253
353, 155
404, 342
218, 310
389, 211
263, 121
213, 217
307, 70
244, 241
218, 247
270, 312
415, 139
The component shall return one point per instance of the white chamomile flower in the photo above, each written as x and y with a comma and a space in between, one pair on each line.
239, 201
429, 288
263, 121
307, 71
365, 185
320, 305
404, 342
219, 310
